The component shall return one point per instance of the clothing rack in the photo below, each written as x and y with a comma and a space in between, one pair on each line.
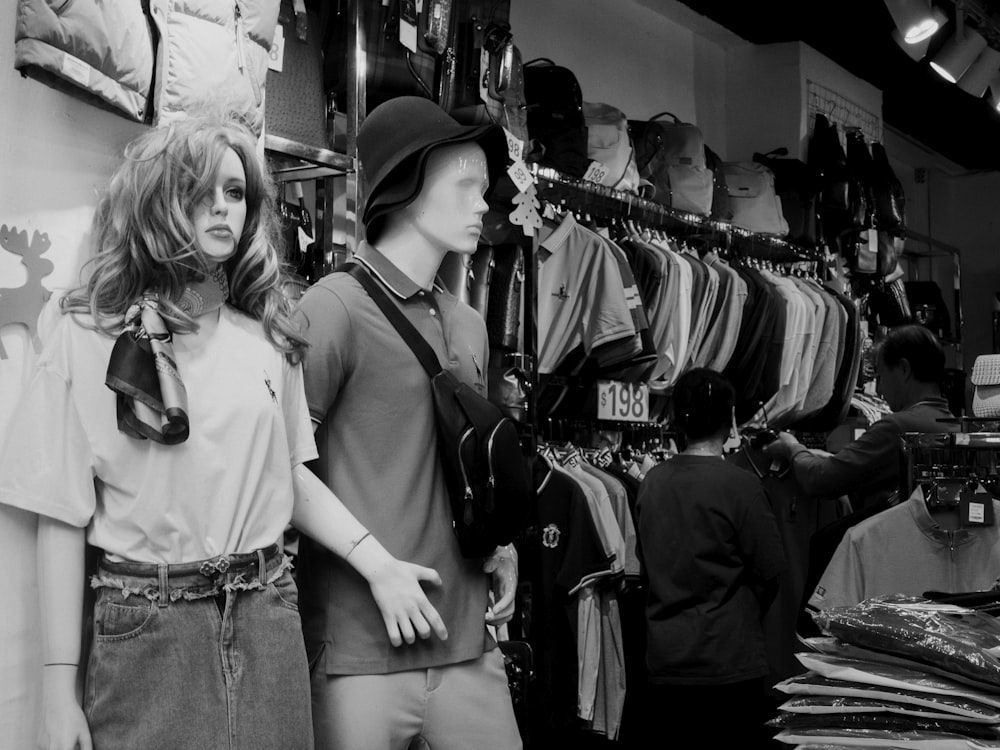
926, 457
600, 202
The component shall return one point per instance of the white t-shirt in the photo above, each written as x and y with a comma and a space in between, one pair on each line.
227, 489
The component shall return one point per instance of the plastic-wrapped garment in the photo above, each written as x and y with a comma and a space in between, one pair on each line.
824, 705
962, 641
837, 739
836, 648
945, 704
885, 723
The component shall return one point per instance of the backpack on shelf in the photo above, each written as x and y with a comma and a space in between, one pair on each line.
671, 155
555, 116
795, 183
755, 203
610, 145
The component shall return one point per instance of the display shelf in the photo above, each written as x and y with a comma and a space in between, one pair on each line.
291, 160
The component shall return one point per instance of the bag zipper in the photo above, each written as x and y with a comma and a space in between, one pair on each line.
467, 511
491, 482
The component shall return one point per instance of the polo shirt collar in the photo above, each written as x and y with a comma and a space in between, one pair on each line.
929, 526
385, 271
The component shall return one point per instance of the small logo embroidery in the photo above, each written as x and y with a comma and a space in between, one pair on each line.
550, 536
820, 592
267, 382
562, 293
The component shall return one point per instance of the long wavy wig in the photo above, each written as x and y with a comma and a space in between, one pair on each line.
145, 238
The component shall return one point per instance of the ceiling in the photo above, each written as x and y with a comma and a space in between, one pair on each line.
857, 35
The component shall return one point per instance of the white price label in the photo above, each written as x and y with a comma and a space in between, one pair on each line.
521, 175
977, 513
596, 172
627, 402
514, 145
276, 55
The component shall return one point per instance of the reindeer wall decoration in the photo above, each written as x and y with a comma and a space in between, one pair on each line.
22, 304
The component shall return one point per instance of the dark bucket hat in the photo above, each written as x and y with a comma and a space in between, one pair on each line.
394, 141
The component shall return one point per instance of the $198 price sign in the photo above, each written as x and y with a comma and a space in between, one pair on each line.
628, 402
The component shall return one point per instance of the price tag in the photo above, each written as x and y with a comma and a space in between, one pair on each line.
514, 146
627, 402
276, 55
521, 176
408, 25
596, 172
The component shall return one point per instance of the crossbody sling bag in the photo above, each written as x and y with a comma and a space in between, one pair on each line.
485, 471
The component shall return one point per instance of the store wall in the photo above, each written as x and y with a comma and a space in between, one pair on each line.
630, 56
55, 153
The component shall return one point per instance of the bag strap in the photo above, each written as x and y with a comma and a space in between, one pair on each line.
675, 118
416, 342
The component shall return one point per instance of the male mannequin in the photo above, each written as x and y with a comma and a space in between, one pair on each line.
440, 677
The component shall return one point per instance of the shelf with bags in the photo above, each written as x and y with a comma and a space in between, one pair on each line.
290, 160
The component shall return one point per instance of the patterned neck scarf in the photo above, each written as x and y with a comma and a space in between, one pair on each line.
152, 401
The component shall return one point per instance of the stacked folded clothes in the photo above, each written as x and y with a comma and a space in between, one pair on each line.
896, 672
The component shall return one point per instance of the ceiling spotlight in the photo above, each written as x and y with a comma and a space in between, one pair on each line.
917, 50
977, 78
914, 19
958, 53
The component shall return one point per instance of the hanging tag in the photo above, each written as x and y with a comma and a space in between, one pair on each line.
521, 175
408, 24
975, 508
420, 6
514, 146
276, 55
596, 172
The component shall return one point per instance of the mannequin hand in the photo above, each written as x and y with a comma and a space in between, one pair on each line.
64, 726
395, 584
502, 565
782, 447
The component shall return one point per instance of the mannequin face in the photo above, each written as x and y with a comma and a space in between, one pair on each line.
219, 218
448, 212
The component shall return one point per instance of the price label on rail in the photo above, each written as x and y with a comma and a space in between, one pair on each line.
627, 402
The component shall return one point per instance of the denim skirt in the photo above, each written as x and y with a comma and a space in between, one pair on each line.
199, 656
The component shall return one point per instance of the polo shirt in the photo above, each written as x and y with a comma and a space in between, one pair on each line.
377, 446
576, 304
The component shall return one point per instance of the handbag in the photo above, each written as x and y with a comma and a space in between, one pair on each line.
503, 307
890, 200
485, 472
986, 382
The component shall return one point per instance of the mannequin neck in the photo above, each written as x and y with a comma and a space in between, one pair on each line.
411, 253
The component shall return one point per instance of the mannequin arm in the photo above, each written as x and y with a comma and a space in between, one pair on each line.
395, 584
502, 566
60, 581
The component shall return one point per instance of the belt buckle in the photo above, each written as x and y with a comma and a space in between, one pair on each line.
211, 567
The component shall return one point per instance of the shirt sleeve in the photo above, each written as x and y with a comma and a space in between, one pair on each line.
872, 457
842, 583
46, 464
327, 328
298, 427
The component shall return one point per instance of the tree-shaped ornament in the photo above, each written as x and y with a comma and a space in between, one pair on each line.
525, 213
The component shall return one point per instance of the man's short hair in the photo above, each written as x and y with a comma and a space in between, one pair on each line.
918, 346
